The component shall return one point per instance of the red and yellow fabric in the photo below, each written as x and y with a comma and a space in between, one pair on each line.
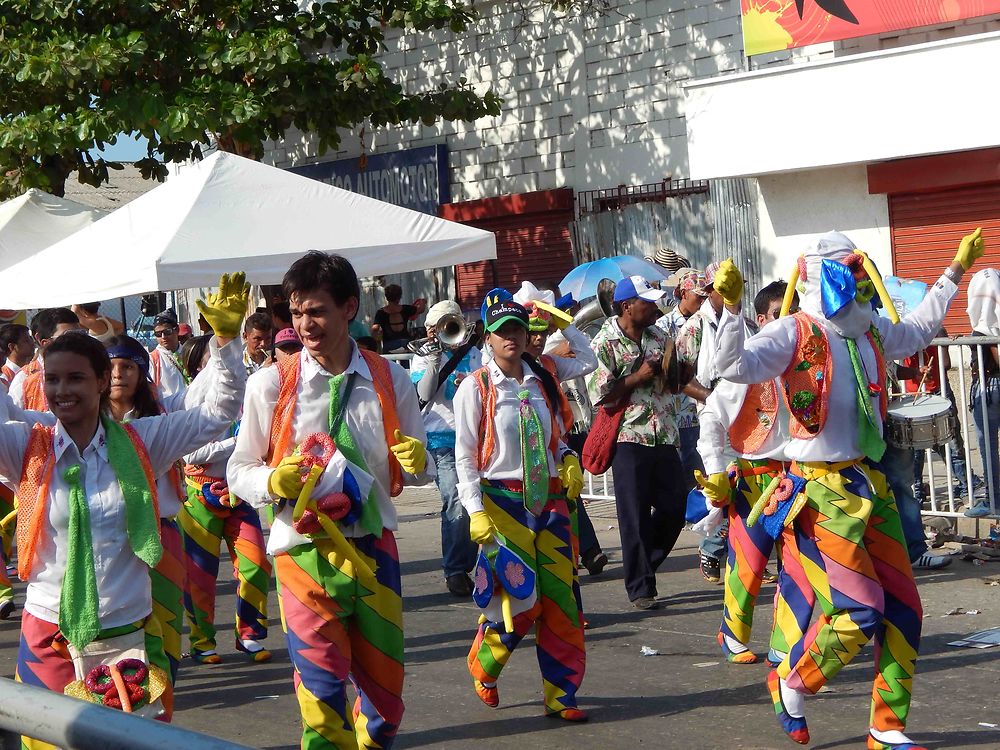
205, 527
340, 632
852, 549
168, 581
544, 543
770, 26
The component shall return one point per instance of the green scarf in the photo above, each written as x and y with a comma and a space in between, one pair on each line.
371, 516
78, 601
870, 442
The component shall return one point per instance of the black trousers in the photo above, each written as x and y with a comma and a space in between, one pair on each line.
649, 493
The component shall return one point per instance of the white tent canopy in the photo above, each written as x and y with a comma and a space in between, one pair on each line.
228, 214
33, 221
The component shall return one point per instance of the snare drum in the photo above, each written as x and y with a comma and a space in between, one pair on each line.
920, 420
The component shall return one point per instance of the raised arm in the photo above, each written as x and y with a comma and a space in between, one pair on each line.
764, 356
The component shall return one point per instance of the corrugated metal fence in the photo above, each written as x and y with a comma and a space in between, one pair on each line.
702, 227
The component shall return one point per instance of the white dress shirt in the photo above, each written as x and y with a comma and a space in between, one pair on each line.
122, 579
505, 463
249, 473
171, 377
769, 353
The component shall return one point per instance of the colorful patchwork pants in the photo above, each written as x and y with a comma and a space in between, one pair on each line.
341, 631
6, 543
205, 527
749, 550
168, 578
545, 544
852, 549
43, 660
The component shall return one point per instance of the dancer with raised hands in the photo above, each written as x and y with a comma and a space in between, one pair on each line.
87, 530
830, 358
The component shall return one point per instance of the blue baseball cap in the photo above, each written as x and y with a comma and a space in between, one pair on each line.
497, 294
635, 286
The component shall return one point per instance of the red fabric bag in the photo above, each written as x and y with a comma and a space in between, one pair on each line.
599, 448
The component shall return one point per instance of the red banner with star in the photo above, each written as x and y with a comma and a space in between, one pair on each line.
771, 25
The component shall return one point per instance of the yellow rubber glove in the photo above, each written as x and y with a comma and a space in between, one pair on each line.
226, 309
971, 249
286, 479
571, 476
481, 529
715, 486
410, 453
728, 282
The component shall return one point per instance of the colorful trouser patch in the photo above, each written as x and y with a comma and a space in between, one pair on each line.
339, 631
851, 545
6, 547
43, 660
749, 550
205, 528
545, 544
168, 579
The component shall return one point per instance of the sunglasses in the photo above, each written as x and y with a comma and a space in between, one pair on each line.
164, 332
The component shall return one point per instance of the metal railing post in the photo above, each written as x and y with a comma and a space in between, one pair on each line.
77, 725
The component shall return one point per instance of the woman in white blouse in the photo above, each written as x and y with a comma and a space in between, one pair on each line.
87, 530
511, 468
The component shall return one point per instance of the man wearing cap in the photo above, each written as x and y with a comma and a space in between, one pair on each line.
168, 373
696, 347
646, 463
437, 377
690, 293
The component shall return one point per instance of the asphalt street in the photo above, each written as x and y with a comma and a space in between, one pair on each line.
687, 696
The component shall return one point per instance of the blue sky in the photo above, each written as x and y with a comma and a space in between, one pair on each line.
126, 149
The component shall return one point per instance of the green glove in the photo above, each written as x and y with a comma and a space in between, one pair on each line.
286, 479
971, 249
728, 282
481, 527
225, 310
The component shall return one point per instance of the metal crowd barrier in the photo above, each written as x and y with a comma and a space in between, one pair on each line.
76, 725
963, 351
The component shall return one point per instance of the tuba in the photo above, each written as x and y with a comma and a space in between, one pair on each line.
597, 310
451, 332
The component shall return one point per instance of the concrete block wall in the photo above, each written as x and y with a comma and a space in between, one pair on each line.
590, 101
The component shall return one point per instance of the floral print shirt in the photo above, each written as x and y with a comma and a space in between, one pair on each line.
651, 415
686, 407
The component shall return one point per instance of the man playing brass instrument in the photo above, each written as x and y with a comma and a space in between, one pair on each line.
442, 361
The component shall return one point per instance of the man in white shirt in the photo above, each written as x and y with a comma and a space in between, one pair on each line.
26, 386
437, 376
849, 528
339, 583
18, 347
168, 374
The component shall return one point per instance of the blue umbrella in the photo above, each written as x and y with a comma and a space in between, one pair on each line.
582, 281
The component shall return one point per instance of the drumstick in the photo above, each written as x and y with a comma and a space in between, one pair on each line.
924, 378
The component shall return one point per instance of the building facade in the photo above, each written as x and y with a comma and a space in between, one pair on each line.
651, 95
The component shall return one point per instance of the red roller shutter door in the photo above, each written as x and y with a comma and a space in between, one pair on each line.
533, 242
926, 230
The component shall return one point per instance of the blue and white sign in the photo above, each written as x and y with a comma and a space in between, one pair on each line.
415, 178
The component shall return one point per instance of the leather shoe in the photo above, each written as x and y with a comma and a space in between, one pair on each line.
459, 584
645, 603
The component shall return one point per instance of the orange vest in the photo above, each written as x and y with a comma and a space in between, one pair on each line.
805, 390
33, 393
565, 412
487, 421
289, 372
8, 375
33, 491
